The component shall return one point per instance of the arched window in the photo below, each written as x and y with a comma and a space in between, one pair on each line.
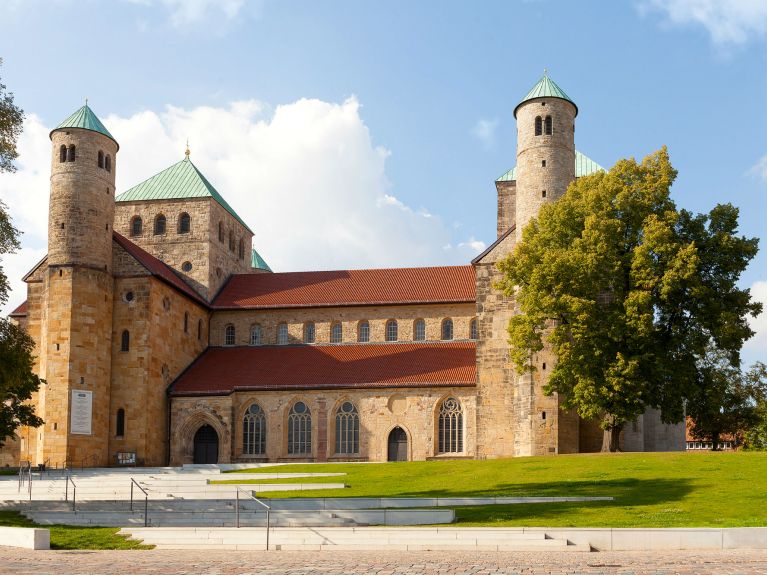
71, 153
450, 427
363, 331
254, 431
309, 332
447, 328
336, 333
125, 341
538, 126
229, 335
199, 329
391, 330
186, 322
347, 429
231, 241
120, 423
159, 225
101, 159
108, 163
184, 223
282, 334
221, 232
548, 125
419, 330
62, 154
473, 331
299, 430
136, 226
241, 250
255, 334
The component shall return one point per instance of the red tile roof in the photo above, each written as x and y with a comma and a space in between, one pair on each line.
222, 370
157, 268
349, 287
19, 311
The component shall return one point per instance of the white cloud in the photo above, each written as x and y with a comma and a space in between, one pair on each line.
727, 21
484, 131
186, 12
757, 345
306, 176
760, 168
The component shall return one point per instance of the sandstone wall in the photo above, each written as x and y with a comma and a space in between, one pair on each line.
507, 205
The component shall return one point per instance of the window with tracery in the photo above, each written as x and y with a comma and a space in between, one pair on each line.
347, 429
254, 431
450, 427
299, 430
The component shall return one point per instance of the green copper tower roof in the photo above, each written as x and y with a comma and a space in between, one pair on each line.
182, 180
257, 262
584, 166
85, 119
545, 88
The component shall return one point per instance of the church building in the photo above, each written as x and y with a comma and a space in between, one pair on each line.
164, 338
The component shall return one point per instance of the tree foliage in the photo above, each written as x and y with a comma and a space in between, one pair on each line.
629, 292
755, 436
11, 118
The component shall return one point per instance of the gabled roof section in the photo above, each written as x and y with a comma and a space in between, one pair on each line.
85, 119
447, 284
222, 370
584, 166
20, 311
180, 181
545, 88
157, 268
257, 262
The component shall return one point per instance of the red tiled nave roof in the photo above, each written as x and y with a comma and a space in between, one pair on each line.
446, 284
19, 311
222, 370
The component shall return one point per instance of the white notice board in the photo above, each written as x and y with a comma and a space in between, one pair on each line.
82, 412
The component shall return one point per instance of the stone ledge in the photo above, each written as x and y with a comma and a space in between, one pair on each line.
25, 537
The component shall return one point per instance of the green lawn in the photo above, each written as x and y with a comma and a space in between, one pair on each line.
75, 537
650, 489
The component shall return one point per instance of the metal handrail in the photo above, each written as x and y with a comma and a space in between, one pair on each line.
146, 500
257, 500
67, 481
22, 471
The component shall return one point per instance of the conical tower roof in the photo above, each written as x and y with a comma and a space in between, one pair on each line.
85, 119
545, 88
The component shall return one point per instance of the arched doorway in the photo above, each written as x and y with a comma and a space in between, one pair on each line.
397, 445
206, 445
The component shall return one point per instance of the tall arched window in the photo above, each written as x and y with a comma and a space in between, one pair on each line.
231, 241
62, 154
184, 223
447, 328
254, 431
473, 330
125, 341
229, 334
159, 225
282, 334
136, 226
255, 334
241, 250
419, 330
71, 153
548, 125
186, 322
299, 430
347, 429
120, 423
363, 331
309, 332
391, 330
100, 159
108, 163
450, 427
336, 333
221, 232
538, 126
199, 329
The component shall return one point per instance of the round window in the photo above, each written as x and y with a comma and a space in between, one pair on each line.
299, 407
129, 295
186, 266
347, 407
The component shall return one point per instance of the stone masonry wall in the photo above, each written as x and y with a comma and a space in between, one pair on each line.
507, 205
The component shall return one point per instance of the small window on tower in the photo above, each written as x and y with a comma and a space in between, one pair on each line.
159, 225
71, 153
108, 163
186, 266
548, 126
543, 163
63, 154
543, 194
538, 126
136, 226
120, 423
101, 159
125, 341
221, 232
184, 223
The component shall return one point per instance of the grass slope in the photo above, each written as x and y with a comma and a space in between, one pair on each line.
75, 537
650, 489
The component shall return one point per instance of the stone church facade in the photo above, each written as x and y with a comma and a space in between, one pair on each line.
164, 338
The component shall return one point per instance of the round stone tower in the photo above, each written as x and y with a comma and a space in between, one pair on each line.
545, 148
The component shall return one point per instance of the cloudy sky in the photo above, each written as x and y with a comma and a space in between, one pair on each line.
357, 133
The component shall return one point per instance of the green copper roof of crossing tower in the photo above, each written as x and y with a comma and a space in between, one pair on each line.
85, 119
257, 262
584, 166
545, 88
180, 181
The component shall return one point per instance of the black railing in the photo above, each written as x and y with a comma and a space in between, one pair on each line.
68, 480
146, 500
254, 498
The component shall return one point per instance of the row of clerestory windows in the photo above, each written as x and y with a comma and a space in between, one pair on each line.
449, 430
391, 332
183, 225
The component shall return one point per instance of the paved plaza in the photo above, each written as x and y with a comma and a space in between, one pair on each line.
26, 562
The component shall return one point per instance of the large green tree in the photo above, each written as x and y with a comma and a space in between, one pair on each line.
755, 436
629, 292
17, 380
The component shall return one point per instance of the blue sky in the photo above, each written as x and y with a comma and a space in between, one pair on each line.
412, 102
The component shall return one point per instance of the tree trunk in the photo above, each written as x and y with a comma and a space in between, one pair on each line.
715, 441
611, 439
